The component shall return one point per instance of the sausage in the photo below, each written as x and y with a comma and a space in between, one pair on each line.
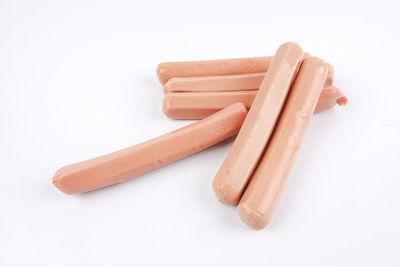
233, 175
268, 181
167, 70
198, 105
122, 165
223, 83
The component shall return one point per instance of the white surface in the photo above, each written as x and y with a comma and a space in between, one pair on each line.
77, 80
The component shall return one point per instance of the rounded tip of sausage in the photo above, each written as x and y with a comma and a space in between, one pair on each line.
316, 62
291, 45
240, 106
58, 182
251, 217
161, 73
165, 88
168, 86
306, 55
225, 193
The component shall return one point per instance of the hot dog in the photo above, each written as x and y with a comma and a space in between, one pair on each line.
168, 70
223, 83
122, 165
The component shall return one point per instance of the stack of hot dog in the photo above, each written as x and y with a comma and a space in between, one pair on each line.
197, 89
281, 93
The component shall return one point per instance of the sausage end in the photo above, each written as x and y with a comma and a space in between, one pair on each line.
226, 194
251, 217
58, 181
162, 73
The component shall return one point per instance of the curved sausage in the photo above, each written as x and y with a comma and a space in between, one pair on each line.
266, 185
233, 175
122, 165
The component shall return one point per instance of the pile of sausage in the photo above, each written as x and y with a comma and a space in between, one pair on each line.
266, 101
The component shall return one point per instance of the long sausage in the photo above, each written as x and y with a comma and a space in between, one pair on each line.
233, 175
167, 70
266, 185
198, 105
223, 83
122, 165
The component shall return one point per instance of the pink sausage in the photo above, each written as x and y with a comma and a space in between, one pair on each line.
168, 70
223, 83
125, 164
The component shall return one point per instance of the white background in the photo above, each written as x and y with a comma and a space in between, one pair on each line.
77, 80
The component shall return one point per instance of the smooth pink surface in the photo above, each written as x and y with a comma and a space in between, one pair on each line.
125, 164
